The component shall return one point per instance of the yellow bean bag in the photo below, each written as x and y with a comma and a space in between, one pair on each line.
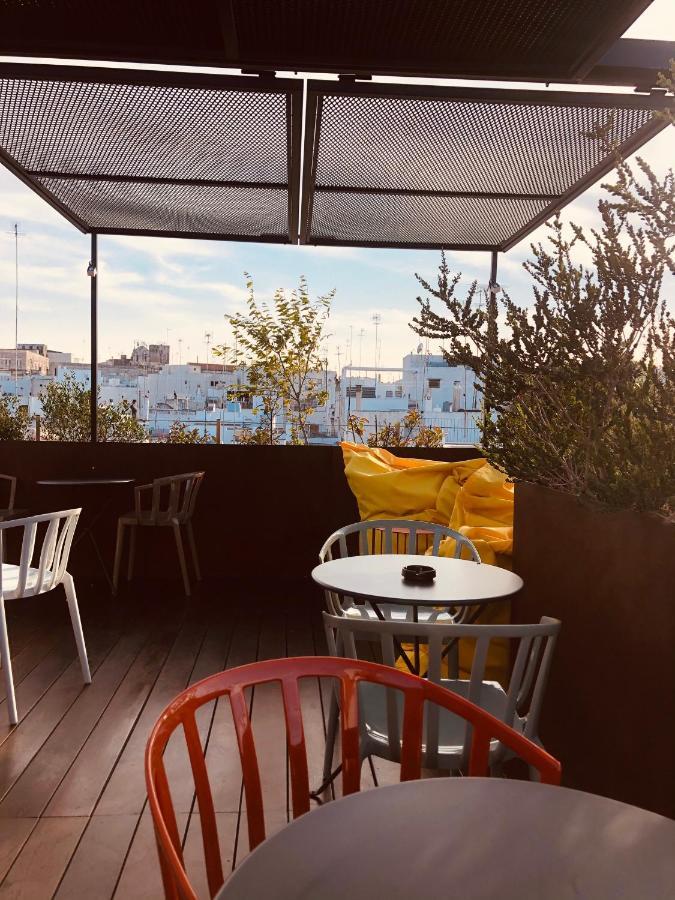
470, 496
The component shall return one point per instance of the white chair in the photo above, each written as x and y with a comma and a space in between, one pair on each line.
392, 536
172, 505
446, 737
52, 549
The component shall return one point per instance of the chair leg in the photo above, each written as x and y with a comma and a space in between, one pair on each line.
7, 667
118, 555
132, 552
193, 550
71, 597
181, 557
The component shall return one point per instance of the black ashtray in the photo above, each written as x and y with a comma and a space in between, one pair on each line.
418, 574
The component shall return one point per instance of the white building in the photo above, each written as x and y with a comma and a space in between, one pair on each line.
446, 396
213, 399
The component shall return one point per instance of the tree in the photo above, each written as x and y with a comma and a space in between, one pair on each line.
279, 343
410, 431
179, 433
261, 434
14, 419
581, 384
66, 415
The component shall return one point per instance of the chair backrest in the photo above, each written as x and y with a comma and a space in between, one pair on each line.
534, 646
11, 487
394, 536
389, 536
181, 499
287, 672
46, 551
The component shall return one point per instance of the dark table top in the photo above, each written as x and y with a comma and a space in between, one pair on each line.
82, 482
464, 837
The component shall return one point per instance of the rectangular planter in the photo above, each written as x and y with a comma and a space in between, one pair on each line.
609, 713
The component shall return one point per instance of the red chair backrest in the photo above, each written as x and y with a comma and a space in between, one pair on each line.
233, 683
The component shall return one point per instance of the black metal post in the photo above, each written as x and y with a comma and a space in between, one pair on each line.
93, 378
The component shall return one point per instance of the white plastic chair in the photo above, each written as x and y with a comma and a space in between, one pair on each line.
393, 536
52, 549
172, 506
446, 737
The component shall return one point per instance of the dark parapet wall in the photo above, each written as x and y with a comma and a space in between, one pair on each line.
262, 510
609, 712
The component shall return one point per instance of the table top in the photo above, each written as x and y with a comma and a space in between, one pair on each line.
77, 482
458, 582
464, 837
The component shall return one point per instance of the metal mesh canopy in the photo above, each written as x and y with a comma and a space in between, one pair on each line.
403, 166
155, 153
512, 39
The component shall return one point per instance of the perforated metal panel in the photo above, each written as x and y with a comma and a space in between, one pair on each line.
390, 165
542, 39
189, 155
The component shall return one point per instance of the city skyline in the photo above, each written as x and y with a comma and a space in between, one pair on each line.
177, 291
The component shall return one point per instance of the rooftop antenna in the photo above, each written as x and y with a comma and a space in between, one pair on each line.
180, 351
16, 234
207, 338
362, 334
377, 321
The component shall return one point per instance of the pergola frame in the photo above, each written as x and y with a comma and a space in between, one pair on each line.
318, 91
291, 87
299, 220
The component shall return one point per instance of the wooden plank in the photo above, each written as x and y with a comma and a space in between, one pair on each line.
13, 834
95, 866
35, 685
21, 745
32, 654
222, 755
267, 716
125, 791
37, 870
300, 642
212, 658
193, 851
33, 790
141, 876
82, 786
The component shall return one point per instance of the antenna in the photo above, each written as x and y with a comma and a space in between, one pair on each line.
362, 334
16, 234
207, 337
377, 321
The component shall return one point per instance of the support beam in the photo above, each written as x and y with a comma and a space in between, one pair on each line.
92, 271
491, 311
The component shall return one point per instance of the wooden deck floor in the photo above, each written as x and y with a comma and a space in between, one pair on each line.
73, 815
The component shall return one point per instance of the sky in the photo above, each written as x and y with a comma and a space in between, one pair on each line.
179, 291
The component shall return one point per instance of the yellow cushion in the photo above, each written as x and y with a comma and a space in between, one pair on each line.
470, 496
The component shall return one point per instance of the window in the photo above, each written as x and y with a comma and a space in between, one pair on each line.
434, 382
368, 393
390, 394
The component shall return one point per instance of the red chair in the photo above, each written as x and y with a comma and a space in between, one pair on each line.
287, 672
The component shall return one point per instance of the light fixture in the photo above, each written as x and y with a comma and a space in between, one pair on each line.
91, 269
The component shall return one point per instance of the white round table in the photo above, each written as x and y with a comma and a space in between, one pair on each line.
469, 838
458, 582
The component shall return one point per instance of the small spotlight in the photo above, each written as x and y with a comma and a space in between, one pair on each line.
91, 269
